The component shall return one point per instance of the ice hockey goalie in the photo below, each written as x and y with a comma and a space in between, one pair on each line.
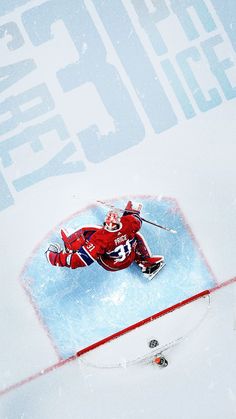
115, 245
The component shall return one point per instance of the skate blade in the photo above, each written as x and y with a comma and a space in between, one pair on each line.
151, 276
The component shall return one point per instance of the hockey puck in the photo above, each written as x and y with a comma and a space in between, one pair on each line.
153, 343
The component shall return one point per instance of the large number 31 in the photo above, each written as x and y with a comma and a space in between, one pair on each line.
123, 250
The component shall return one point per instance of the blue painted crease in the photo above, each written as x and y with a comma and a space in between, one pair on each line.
83, 306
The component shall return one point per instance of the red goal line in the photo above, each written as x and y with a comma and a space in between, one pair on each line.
142, 322
114, 336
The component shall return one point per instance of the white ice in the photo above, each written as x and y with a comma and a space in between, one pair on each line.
193, 163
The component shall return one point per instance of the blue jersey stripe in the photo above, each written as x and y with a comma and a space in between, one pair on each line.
85, 256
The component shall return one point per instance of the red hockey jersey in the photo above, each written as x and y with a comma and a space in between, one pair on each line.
114, 250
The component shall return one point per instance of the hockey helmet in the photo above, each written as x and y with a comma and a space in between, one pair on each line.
112, 221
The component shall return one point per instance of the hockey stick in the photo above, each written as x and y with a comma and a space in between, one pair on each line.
143, 219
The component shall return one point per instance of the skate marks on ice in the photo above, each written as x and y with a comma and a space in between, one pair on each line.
83, 306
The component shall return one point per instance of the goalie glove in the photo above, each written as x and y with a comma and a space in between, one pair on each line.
133, 208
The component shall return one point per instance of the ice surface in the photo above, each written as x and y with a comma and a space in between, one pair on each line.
173, 148
83, 306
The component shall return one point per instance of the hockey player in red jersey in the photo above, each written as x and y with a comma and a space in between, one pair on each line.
115, 245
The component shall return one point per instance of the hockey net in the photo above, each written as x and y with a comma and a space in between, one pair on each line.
165, 329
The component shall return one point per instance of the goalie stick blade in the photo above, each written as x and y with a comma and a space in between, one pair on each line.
151, 276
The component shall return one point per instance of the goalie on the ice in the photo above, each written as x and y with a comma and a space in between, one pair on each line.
115, 245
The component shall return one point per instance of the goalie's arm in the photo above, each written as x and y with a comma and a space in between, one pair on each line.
84, 256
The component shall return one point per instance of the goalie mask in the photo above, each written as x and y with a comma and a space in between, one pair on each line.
112, 221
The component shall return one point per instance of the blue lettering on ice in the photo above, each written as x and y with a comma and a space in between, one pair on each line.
32, 135
9, 5
137, 64
178, 88
6, 198
93, 67
12, 105
149, 21
180, 8
204, 104
219, 67
90, 67
10, 74
11, 28
55, 167
227, 14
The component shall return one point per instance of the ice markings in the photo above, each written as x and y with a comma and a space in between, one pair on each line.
80, 307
